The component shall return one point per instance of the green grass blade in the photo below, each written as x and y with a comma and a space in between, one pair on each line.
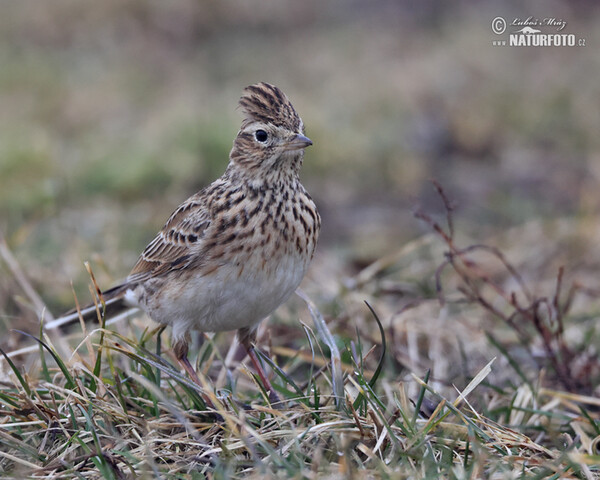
360, 398
421, 397
64, 369
13, 367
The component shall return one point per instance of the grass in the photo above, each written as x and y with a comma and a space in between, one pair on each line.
108, 403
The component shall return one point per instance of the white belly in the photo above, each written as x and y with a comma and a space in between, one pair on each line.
226, 299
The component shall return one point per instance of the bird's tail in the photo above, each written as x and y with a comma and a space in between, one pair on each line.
114, 301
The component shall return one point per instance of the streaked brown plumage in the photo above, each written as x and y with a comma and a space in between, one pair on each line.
232, 253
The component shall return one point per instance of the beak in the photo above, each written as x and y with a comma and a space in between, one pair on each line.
298, 142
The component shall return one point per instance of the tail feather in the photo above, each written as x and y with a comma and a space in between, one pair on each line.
114, 300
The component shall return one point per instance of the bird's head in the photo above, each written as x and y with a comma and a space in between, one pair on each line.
272, 133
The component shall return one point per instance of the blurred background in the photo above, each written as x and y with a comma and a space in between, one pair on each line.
112, 113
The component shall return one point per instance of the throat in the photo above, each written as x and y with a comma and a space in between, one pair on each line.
264, 171
274, 178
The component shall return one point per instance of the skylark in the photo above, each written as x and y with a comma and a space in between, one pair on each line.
232, 253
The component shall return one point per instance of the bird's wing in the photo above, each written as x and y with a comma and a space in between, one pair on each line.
180, 238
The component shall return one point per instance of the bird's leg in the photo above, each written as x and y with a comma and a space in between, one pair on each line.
180, 349
247, 337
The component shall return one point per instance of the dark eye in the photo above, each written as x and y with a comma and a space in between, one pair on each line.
261, 136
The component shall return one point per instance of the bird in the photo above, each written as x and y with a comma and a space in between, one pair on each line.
232, 253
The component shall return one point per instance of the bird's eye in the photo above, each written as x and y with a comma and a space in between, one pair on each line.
261, 136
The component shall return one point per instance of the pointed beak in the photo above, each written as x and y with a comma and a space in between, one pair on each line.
298, 142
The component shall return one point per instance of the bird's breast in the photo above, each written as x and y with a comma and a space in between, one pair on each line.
256, 253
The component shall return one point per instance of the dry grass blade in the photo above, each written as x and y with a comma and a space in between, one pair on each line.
327, 338
37, 302
480, 377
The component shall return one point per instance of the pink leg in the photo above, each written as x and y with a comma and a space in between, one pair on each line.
246, 339
180, 348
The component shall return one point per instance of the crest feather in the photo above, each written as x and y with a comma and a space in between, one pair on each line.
266, 103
